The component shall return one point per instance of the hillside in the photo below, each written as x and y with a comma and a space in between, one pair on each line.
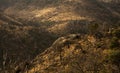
76, 53
29, 27
8, 20
20, 42
61, 14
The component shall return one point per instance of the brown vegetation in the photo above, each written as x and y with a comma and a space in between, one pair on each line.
29, 27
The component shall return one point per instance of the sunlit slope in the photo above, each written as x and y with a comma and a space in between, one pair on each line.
76, 54
61, 13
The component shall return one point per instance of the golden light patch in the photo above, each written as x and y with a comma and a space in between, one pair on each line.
57, 28
65, 16
91, 39
39, 13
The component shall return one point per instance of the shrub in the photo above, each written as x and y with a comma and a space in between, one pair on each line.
116, 33
114, 43
93, 28
99, 45
114, 57
98, 35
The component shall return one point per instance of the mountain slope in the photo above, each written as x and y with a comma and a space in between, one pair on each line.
4, 18
57, 15
74, 54
31, 26
19, 42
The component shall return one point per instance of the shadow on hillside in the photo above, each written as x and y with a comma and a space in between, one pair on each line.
19, 44
96, 10
22, 43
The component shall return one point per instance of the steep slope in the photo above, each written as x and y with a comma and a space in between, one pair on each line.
74, 54
31, 26
19, 42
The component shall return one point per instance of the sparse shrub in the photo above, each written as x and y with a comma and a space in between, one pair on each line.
93, 28
116, 33
114, 57
99, 45
98, 35
114, 43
